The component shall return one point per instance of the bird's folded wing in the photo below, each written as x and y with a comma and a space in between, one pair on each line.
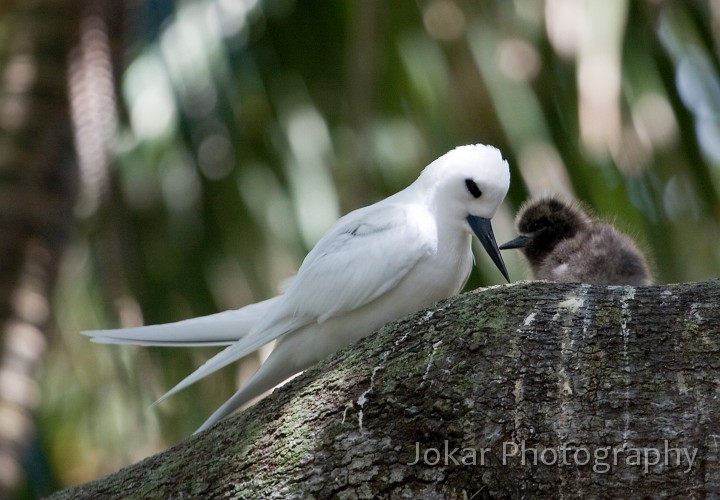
365, 255
362, 257
222, 328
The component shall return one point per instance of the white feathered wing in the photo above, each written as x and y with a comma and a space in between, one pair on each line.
329, 284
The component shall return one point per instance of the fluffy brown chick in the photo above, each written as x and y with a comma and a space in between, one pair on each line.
562, 243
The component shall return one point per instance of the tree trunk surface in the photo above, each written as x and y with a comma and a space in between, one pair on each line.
527, 390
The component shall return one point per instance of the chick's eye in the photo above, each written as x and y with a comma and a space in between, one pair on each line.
473, 188
539, 224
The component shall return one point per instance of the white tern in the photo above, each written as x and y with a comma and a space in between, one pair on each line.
375, 265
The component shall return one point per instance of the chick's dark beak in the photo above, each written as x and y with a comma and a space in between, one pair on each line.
519, 242
483, 230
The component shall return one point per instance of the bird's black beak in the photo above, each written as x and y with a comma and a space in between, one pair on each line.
483, 230
519, 242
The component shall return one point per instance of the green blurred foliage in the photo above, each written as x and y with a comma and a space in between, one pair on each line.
250, 126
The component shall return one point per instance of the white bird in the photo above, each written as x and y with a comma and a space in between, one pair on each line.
375, 265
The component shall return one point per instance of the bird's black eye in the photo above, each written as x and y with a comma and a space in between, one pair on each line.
539, 224
473, 188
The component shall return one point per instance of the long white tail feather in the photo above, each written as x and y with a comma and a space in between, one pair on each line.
273, 371
223, 328
232, 353
160, 343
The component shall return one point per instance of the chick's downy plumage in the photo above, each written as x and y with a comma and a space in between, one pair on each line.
562, 243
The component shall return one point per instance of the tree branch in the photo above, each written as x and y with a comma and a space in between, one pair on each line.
609, 390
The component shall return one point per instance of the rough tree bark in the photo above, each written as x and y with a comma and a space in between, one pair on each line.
568, 370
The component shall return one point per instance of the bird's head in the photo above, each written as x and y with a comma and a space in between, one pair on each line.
467, 186
544, 223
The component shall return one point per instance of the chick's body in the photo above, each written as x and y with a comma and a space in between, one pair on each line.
562, 243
